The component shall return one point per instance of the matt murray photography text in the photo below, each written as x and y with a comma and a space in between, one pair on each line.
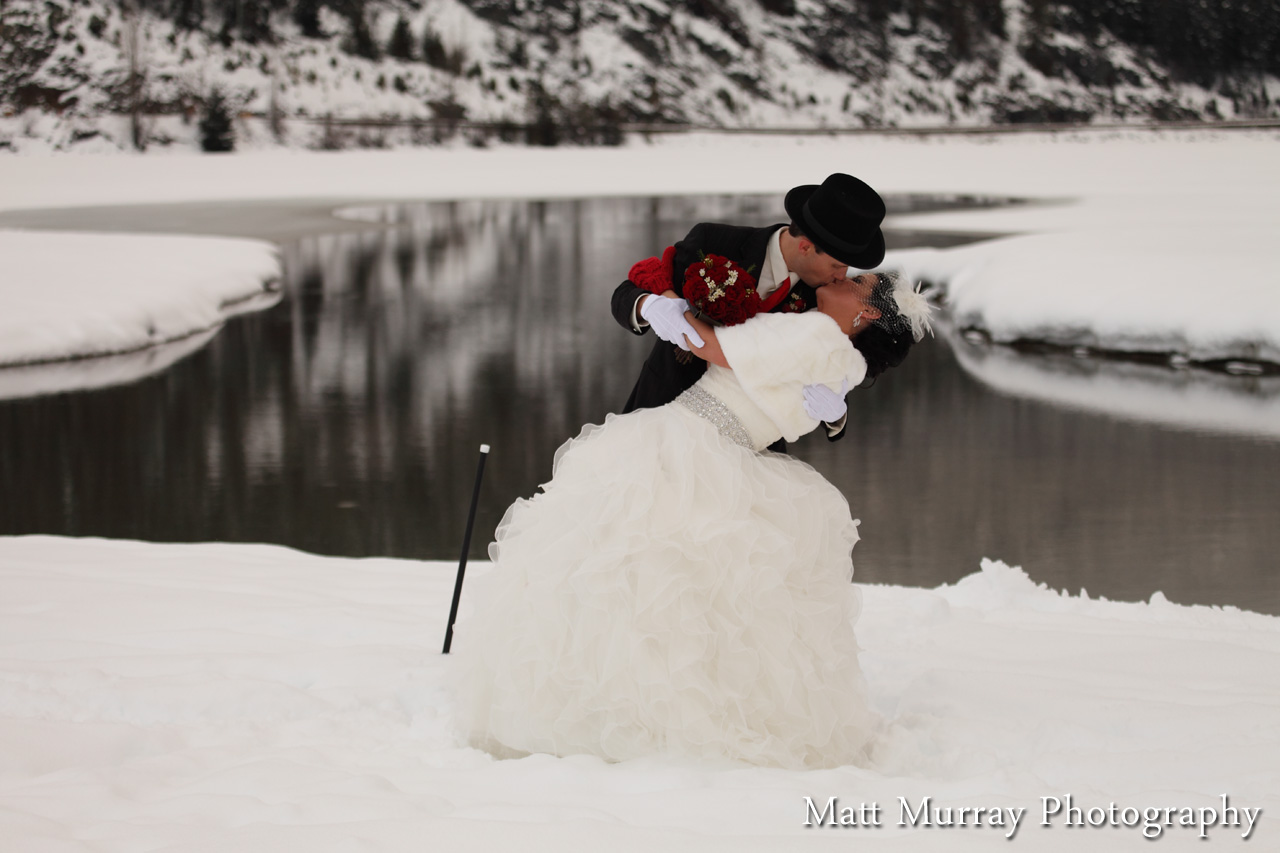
1056, 811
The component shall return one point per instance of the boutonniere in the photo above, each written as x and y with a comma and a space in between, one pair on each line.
794, 304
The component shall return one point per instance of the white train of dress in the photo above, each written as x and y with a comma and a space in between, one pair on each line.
673, 589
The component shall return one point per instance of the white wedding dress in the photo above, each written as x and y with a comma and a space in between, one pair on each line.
674, 590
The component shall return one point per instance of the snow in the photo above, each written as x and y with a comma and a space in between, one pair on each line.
1133, 240
1142, 287
250, 697
74, 295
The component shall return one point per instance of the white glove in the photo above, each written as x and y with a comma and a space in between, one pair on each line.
823, 404
666, 317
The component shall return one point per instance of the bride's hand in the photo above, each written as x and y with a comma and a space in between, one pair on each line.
823, 404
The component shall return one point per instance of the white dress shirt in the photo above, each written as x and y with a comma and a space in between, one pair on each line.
775, 268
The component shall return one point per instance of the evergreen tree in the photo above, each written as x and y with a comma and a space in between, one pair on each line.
401, 44
216, 133
990, 15
438, 55
1035, 44
306, 14
246, 20
1199, 41
544, 124
255, 22
187, 14
359, 41
433, 49
954, 17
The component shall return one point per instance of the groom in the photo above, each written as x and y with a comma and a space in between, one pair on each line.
833, 226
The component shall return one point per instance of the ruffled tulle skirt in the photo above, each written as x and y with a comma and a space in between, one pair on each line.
669, 592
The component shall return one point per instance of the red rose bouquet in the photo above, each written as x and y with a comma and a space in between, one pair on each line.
721, 290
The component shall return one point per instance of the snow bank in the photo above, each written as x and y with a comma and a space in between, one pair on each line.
79, 295
1211, 295
217, 697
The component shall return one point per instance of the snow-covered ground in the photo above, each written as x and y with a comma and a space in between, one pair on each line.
246, 697
1136, 240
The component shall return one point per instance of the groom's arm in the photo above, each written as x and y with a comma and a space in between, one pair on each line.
689, 251
625, 297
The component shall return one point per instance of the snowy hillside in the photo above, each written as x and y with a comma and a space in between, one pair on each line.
94, 75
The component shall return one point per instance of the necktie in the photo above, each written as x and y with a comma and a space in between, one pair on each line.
773, 299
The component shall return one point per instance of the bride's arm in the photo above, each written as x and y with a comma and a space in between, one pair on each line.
711, 351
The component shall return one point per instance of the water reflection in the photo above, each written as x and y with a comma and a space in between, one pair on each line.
347, 420
948, 471
1186, 398
56, 377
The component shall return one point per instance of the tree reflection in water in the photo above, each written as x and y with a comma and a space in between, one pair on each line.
347, 421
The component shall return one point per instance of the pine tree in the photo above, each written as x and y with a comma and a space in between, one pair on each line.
433, 49
1036, 35
360, 40
187, 14
544, 126
216, 132
401, 44
306, 14
255, 22
245, 20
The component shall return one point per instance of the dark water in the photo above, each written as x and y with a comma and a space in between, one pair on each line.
347, 420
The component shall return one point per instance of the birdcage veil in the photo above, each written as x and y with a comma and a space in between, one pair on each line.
901, 306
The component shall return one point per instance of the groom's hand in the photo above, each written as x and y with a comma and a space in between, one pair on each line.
823, 404
666, 317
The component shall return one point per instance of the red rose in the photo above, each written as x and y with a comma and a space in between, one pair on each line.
721, 290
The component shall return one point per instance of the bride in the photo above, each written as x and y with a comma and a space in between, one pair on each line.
674, 589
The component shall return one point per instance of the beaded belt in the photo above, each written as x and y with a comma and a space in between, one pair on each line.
706, 405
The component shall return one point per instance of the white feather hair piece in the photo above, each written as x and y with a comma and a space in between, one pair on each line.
913, 307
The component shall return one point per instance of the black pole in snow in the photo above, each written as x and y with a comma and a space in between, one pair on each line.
466, 546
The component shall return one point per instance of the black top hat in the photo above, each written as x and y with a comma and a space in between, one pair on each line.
842, 217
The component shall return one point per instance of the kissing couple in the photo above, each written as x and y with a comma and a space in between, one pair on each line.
679, 588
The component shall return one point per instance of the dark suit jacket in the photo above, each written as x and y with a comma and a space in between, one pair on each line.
663, 377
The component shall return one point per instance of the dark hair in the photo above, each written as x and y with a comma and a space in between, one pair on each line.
796, 231
886, 342
881, 349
